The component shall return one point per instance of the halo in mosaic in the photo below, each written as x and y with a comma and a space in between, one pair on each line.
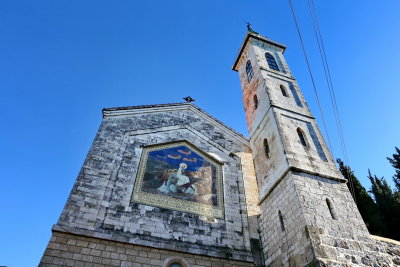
179, 176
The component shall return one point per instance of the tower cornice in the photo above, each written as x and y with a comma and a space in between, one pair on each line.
257, 37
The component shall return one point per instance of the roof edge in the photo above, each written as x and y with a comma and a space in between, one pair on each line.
119, 111
106, 110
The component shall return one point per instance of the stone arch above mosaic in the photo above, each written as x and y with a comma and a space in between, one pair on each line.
180, 176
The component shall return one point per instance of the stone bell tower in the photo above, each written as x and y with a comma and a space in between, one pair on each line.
308, 216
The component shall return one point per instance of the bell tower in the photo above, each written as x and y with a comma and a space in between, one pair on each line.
306, 208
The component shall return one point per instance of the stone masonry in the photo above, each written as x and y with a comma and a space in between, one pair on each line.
100, 205
75, 250
284, 202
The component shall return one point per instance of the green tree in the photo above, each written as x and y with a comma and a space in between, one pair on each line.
368, 209
395, 161
388, 204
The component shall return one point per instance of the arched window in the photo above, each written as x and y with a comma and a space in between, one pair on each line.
266, 148
255, 100
283, 90
175, 261
249, 71
271, 61
281, 221
331, 210
302, 137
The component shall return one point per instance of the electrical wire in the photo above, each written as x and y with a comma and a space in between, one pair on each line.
328, 78
324, 59
311, 75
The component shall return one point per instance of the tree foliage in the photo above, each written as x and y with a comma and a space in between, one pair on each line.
388, 204
395, 161
368, 208
381, 208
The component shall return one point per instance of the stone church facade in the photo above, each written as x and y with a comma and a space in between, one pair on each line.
169, 185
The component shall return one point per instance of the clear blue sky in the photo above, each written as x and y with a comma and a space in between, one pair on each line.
62, 61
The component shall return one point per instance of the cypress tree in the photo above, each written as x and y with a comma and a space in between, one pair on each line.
365, 204
388, 205
395, 161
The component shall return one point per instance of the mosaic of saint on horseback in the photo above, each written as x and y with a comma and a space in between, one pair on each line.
180, 172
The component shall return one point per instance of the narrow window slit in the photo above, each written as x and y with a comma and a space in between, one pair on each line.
331, 210
281, 221
302, 137
283, 90
255, 100
266, 148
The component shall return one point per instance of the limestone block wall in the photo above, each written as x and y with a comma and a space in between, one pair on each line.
294, 100
268, 169
283, 229
337, 230
100, 202
315, 157
255, 116
254, 87
65, 249
251, 192
383, 251
253, 209
248, 53
299, 228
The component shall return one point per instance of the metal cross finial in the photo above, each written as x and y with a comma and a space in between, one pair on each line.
188, 99
249, 27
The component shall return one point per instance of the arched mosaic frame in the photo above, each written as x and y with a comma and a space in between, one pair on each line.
164, 167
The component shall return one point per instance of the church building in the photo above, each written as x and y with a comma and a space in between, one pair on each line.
169, 185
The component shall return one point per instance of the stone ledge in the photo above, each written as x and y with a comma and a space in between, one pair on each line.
296, 171
384, 239
219, 252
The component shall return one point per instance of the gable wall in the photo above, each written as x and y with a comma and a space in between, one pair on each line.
100, 201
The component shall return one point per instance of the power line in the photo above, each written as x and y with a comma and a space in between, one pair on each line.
311, 75
328, 78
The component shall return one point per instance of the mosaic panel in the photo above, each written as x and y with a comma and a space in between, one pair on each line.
181, 177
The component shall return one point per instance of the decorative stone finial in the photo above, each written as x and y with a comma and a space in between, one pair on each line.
188, 99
